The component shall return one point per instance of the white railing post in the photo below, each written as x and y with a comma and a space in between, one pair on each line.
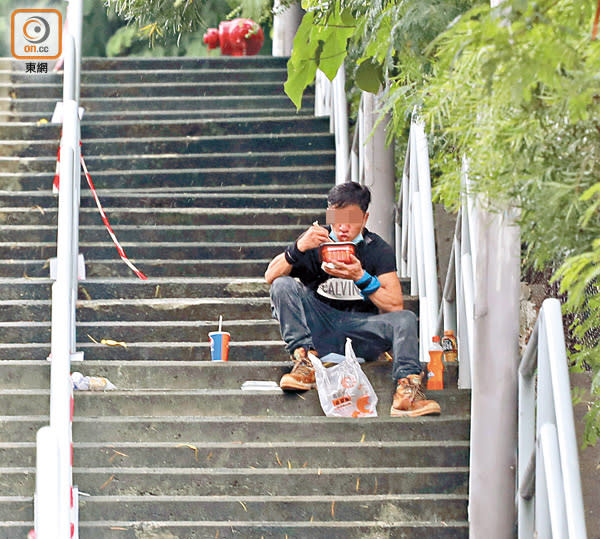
74, 25
567, 439
46, 508
323, 98
526, 436
54, 488
427, 235
550, 457
60, 390
465, 261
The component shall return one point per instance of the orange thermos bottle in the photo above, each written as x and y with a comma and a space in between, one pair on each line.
435, 367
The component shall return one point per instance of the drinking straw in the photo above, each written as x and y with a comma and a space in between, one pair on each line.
220, 321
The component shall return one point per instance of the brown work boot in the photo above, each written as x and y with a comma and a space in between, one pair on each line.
302, 376
409, 399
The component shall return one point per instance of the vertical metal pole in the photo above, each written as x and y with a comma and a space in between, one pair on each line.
285, 24
494, 393
75, 22
526, 439
75, 227
323, 95
403, 253
380, 174
545, 415
462, 333
467, 272
426, 226
569, 460
411, 201
46, 484
554, 481
340, 119
60, 394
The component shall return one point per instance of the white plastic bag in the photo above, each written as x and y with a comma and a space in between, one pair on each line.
91, 383
344, 390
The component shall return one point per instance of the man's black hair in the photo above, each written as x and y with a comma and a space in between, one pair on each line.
346, 194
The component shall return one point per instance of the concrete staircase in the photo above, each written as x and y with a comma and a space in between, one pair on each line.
206, 172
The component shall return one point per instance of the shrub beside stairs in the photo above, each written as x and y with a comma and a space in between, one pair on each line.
206, 172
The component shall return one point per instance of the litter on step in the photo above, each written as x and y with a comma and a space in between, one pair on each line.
91, 383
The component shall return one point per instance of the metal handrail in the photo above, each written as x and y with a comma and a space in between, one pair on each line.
547, 452
549, 499
55, 505
417, 256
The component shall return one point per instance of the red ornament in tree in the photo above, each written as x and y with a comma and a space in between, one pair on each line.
238, 37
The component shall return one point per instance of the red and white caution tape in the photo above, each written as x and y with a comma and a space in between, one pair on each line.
55, 187
107, 224
56, 181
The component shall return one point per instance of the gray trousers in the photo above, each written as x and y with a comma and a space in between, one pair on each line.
308, 322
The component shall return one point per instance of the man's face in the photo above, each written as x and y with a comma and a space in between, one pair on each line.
347, 222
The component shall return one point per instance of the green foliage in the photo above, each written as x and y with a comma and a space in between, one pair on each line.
514, 88
97, 24
158, 19
320, 42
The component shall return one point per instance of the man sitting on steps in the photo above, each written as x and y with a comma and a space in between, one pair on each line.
361, 300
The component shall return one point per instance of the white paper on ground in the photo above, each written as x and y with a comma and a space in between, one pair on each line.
261, 385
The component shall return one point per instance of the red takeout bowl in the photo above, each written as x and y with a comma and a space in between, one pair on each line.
337, 252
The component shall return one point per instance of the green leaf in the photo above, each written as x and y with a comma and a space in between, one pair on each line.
369, 76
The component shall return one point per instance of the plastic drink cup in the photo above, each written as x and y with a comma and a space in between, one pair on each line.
219, 345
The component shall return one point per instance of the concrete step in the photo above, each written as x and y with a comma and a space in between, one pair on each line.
249, 481
224, 179
258, 429
179, 145
164, 217
420, 507
149, 64
34, 112
174, 251
149, 161
208, 402
136, 288
134, 76
190, 453
136, 198
245, 105
106, 529
154, 268
168, 128
178, 375
195, 350
126, 233
150, 90
139, 332
95, 288
151, 309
